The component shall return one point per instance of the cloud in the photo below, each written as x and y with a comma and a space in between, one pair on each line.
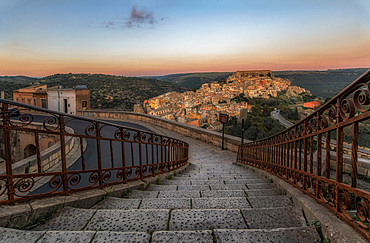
138, 19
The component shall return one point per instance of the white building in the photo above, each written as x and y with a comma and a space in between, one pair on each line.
68, 100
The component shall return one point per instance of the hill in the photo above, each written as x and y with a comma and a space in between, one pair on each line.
114, 92
193, 80
18, 79
322, 83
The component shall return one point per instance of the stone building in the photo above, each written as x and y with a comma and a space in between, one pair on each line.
34, 95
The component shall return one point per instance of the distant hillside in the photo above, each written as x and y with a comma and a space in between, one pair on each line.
116, 92
322, 83
193, 80
10, 83
18, 79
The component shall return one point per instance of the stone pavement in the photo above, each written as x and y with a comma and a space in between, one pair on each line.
213, 200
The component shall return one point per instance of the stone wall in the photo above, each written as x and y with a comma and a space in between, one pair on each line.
23, 142
215, 138
50, 151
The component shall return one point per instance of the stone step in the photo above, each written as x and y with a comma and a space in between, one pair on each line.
270, 201
12, 235
263, 192
137, 194
117, 203
223, 193
137, 220
203, 219
198, 188
291, 235
270, 218
229, 187
165, 203
179, 194
220, 203
68, 219
154, 187
210, 177
199, 236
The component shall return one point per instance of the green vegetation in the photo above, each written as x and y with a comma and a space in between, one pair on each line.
194, 80
114, 92
322, 84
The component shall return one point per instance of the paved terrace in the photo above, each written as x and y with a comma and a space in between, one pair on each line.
212, 200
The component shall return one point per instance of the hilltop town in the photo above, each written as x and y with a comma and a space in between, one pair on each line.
201, 107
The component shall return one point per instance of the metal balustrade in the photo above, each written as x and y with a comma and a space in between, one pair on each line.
297, 154
103, 153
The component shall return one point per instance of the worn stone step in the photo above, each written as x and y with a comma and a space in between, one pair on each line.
191, 188
203, 219
206, 182
137, 194
199, 236
154, 187
229, 187
223, 193
165, 203
220, 203
269, 218
12, 235
177, 182
68, 219
117, 203
246, 181
137, 220
270, 201
291, 235
116, 237
263, 192
179, 194
260, 186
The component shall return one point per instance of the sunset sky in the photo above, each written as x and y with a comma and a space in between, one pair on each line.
155, 37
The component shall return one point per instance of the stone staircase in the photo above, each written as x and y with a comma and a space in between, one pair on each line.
212, 200
208, 202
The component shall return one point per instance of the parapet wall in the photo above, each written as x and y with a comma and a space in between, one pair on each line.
215, 138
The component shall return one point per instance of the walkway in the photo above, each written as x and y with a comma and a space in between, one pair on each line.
213, 200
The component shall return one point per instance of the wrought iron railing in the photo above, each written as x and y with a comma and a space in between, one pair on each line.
297, 154
103, 153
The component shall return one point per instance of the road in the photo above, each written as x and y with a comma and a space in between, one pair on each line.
276, 115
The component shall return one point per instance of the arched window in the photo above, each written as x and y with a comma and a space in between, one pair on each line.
29, 150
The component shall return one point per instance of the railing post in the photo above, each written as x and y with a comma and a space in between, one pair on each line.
339, 155
98, 153
63, 153
354, 155
327, 157
8, 153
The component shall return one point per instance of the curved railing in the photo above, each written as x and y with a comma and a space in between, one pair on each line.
105, 153
297, 154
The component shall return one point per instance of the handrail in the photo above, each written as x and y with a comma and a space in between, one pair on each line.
108, 153
290, 154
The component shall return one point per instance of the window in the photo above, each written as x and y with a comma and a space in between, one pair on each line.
29, 101
34, 102
43, 103
23, 101
84, 103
